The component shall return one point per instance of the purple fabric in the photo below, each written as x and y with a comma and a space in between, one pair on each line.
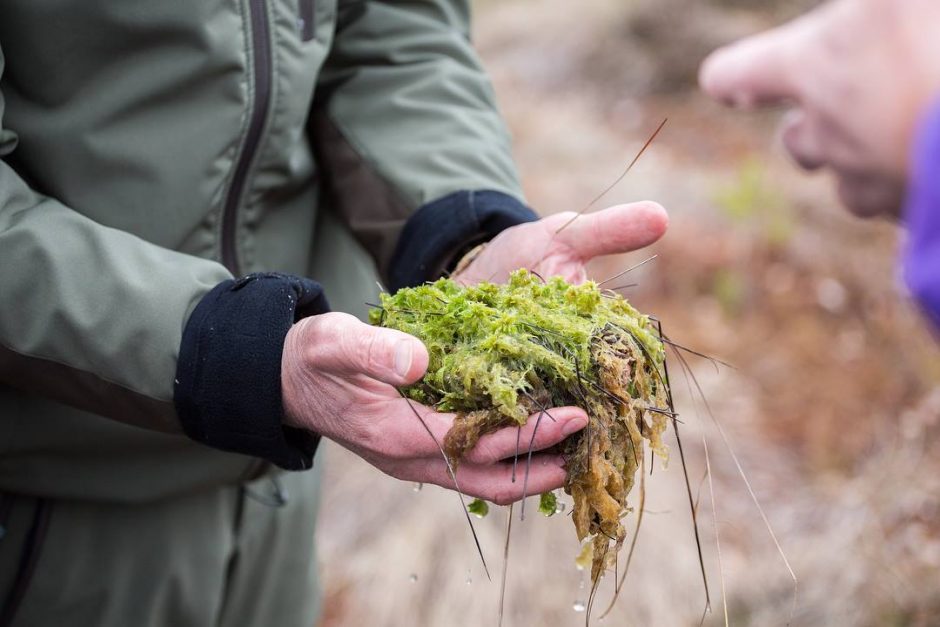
922, 215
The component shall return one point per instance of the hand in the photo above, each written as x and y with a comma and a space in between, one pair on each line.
337, 378
860, 74
540, 246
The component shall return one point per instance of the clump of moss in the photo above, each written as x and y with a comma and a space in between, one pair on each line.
500, 353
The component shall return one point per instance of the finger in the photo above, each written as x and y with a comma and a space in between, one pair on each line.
492, 483
340, 343
549, 428
760, 70
408, 430
614, 230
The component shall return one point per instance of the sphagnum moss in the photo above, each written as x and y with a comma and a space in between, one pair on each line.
500, 353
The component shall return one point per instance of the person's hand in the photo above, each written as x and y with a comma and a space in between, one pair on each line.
859, 74
337, 378
561, 244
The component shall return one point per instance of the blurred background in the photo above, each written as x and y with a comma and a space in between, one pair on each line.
833, 407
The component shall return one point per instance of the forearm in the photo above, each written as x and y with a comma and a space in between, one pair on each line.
91, 316
408, 133
101, 320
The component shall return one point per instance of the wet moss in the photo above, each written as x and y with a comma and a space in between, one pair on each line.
500, 353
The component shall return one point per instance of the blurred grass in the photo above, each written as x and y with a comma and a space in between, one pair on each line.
834, 405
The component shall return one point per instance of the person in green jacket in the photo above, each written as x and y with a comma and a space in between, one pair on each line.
182, 185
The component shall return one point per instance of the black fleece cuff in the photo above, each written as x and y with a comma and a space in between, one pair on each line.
456, 222
228, 377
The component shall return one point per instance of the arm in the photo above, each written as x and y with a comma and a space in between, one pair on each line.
94, 317
417, 161
90, 316
415, 153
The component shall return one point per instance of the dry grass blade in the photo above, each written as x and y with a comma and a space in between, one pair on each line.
711, 492
619, 178
747, 483
453, 475
593, 594
623, 287
627, 271
713, 360
502, 585
692, 509
528, 464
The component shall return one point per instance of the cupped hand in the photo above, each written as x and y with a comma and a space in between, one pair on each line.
562, 244
859, 74
339, 379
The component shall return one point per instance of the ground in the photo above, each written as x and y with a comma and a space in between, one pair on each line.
833, 406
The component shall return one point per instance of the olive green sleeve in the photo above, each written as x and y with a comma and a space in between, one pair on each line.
405, 115
90, 316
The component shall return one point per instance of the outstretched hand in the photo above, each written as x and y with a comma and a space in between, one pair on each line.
339, 376
562, 244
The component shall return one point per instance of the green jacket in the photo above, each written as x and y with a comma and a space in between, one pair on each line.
153, 150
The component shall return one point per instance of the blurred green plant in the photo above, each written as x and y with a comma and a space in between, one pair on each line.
750, 200
729, 288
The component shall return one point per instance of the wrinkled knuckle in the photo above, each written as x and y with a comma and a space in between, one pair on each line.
373, 347
341, 336
325, 327
318, 335
312, 354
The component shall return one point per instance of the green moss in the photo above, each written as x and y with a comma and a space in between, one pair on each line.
478, 508
548, 504
500, 353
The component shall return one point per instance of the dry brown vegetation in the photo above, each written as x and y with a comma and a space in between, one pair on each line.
834, 407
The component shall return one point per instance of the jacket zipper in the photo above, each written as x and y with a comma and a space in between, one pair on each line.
261, 102
308, 21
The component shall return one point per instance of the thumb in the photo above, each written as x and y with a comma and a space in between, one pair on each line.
340, 343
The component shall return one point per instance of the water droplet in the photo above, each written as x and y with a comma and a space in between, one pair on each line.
560, 507
413, 578
579, 606
469, 578
417, 487
581, 584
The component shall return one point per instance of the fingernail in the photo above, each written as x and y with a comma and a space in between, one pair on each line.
403, 354
574, 425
